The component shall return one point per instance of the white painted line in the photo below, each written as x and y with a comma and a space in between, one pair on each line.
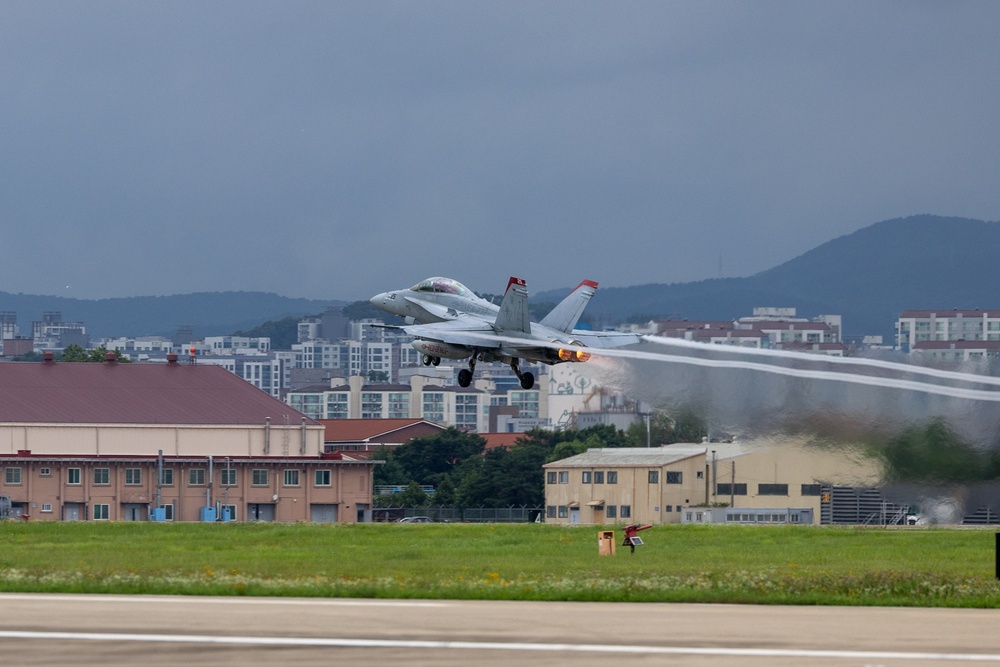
498, 646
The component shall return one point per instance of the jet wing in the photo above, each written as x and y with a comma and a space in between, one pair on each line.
474, 332
463, 330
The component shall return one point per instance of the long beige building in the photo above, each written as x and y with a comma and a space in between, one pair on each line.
172, 441
662, 484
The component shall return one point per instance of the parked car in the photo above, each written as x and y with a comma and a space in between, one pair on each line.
416, 519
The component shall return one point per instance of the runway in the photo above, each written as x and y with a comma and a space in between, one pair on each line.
38, 629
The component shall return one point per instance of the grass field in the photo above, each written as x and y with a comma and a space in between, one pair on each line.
777, 564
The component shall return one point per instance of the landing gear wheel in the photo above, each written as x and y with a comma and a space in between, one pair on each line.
464, 377
427, 360
527, 380
436, 361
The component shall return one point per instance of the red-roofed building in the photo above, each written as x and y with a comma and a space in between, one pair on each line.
193, 442
360, 437
494, 440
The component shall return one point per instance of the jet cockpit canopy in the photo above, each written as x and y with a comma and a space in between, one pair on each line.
442, 286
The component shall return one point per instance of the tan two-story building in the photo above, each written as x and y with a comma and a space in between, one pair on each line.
662, 484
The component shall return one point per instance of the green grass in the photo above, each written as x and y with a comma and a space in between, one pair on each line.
777, 565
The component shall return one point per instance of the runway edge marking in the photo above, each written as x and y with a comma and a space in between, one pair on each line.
495, 646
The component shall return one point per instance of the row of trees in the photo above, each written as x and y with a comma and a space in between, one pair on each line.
464, 474
77, 353
936, 454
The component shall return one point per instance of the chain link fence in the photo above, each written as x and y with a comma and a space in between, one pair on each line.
450, 514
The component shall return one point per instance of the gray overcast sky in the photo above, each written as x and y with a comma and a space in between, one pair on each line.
338, 149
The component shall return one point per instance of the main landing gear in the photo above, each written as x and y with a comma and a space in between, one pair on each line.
526, 378
429, 360
465, 375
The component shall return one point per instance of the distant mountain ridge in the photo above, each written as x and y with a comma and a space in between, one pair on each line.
208, 313
869, 277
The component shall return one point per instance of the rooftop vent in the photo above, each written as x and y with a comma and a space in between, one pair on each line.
48, 357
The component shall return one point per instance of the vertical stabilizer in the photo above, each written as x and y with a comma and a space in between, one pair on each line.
513, 315
565, 315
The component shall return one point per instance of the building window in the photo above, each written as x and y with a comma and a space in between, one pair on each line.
668, 508
168, 512
167, 477
731, 489
196, 477
626, 512
674, 477
232, 511
811, 489
291, 478
12, 475
611, 511
550, 512
772, 489
612, 477
46, 507
322, 478
227, 476
564, 477
550, 477
654, 476
133, 476
259, 477
598, 477
102, 476
45, 472
587, 476
102, 512
73, 476
563, 512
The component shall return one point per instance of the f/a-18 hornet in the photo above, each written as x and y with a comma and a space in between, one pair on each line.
448, 320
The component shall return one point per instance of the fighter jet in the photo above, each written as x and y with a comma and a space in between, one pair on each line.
447, 320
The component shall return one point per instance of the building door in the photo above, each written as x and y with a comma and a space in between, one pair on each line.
260, 512
574, 515
364, 513
134, 512
72, 511
323, 513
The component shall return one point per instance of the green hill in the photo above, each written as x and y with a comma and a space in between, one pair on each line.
869, 277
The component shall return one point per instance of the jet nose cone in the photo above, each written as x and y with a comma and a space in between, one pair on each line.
380, 300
